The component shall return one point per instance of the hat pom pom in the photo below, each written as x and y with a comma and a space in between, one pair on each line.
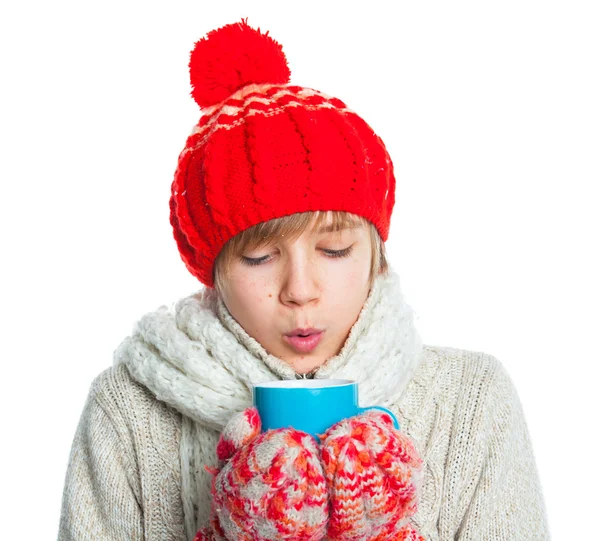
232, 56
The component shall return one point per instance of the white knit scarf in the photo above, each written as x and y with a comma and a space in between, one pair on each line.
196, 357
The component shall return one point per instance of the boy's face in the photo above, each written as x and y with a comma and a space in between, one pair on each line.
300, 284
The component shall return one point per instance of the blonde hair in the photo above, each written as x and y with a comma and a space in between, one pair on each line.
293, 226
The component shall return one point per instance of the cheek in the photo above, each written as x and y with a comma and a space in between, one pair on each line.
341, 288
355, 272
253, 297
349, 283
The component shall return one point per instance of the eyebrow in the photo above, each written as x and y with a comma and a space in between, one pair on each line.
330, 229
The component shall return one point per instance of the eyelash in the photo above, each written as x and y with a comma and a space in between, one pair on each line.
330, 253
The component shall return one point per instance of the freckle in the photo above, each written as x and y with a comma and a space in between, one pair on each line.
270, 295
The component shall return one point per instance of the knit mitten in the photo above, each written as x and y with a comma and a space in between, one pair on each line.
268, 485
374, 478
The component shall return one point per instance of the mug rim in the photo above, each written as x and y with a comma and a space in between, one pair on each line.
299, 384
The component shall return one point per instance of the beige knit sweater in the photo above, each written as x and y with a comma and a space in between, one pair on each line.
136, 468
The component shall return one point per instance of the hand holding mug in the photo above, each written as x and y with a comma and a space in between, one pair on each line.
269, 485
275, 481
373, 474
373, 470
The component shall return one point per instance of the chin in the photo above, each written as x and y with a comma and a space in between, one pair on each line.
305, 364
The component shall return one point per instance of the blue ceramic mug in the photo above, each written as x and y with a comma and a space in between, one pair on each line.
309, 405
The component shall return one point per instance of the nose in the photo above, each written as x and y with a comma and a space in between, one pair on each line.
300, 284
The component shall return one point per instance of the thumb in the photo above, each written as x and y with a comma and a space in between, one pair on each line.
241, 429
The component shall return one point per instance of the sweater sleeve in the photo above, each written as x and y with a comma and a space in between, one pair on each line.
98, 501
506, 502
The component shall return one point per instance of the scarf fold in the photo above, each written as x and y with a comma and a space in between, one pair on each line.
196, 357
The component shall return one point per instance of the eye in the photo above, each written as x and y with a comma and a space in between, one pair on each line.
254, 261
339, 253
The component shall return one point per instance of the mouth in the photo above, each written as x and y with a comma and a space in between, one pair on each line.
303, 332
304, 340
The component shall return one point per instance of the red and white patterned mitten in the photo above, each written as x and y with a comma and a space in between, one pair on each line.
374, 477
268, 486
241, 429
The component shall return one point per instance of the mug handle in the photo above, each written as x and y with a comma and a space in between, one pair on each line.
381, 408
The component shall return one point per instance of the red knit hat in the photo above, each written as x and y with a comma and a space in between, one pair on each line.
264, 149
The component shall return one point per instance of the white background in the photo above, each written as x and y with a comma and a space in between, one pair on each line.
490, 111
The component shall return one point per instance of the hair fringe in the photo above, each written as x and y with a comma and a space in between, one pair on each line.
292, 227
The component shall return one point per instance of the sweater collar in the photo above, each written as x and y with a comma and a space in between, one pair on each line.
198, 359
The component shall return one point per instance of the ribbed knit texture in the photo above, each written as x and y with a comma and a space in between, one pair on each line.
374, 476
270, 486
273, 486
274, 150
269, 149
137, 466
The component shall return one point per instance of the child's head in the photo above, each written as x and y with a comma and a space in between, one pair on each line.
267, 165
308, 270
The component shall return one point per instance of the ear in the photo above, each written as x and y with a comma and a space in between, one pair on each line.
242, 428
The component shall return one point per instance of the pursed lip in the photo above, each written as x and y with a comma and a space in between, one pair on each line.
305, 332
304, 344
